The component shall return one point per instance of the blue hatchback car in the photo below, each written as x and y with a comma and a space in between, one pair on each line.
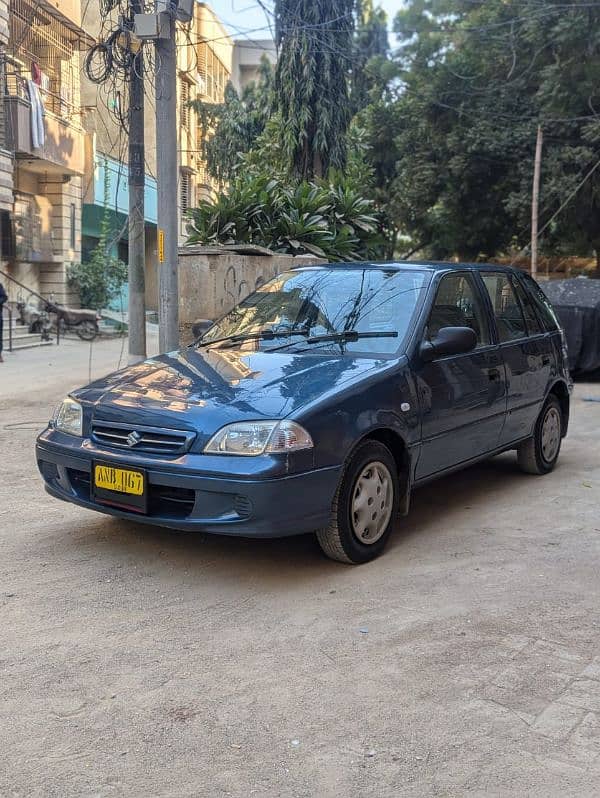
319, 403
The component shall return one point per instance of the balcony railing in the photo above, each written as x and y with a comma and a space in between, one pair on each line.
63, 144
38, 40
56, 97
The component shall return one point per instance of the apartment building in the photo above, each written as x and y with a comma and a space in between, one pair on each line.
41, 142
246, 59
6, 177
204, 66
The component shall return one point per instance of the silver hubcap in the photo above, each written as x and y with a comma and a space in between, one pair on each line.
372, 500
550, 434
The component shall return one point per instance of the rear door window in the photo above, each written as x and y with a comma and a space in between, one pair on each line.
533, 325
457, 304
509, 316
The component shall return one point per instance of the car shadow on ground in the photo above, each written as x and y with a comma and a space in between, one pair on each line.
278, 558
491, 479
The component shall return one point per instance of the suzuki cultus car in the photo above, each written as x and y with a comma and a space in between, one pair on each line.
319, 403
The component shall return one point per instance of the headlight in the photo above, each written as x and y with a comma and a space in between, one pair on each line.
69, 417
259, 437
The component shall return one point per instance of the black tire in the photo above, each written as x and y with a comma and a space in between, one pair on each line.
339, 540
535, 456
86, 330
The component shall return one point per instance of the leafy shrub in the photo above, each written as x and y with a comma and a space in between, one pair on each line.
331, 220
99, 280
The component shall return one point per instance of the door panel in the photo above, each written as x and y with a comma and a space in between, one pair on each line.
462, 397
528, 367
526, 349
463, 402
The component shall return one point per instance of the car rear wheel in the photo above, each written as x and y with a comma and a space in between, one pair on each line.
364, 506
539, 454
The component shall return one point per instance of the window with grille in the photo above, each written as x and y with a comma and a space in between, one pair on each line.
184, 111
36, 38
202, 54
185, 190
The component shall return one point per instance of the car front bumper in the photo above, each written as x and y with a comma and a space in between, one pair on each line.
185, 497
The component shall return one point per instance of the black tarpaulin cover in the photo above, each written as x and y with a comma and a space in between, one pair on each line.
577, 305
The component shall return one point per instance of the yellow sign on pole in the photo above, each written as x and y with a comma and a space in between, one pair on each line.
161, 246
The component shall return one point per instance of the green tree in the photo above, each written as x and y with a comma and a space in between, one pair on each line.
230, 129
453, 133
311, 82
370, 44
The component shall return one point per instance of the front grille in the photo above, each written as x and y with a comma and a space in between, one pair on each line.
171, 502
135, 438
80, 482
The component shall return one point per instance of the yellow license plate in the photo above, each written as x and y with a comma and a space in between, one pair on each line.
121, 480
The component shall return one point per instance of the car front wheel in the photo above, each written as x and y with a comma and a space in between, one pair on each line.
538, 454
364, 506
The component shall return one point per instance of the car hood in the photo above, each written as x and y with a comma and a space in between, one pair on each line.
201, 390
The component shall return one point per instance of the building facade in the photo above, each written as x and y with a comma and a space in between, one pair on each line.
41, 143
204, 67
246, 58
6, 170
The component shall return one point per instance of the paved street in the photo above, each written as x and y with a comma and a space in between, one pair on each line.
142, 662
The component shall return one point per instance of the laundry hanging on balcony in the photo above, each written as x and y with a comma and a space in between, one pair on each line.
38, 135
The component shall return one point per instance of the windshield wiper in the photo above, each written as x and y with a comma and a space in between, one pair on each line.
350, 335
261, 335
343, 336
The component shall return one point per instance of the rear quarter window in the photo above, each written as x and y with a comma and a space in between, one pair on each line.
541, 302
510, 321
527, 306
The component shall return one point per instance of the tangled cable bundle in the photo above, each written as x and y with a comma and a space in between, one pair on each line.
112, 54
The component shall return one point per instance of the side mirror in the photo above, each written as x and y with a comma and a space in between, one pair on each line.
449, 341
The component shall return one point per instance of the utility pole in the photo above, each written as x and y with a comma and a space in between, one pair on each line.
535, 200
166, 177
136, 236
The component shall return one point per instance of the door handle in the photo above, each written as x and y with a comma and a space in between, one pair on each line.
493, 374
545, 361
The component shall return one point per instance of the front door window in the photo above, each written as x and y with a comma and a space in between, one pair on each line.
457, 304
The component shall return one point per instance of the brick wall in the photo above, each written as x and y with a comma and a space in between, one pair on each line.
212, 281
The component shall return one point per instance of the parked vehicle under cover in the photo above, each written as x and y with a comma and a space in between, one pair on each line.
577, 305
319, 403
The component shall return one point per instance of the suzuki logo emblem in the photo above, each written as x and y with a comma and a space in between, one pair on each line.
133, 438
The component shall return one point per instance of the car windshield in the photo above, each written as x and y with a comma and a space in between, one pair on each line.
376, 304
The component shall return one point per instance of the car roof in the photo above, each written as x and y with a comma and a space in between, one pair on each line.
401, 265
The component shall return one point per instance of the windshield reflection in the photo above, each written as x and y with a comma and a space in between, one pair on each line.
319, 301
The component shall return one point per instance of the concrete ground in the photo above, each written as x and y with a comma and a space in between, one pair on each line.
141, 662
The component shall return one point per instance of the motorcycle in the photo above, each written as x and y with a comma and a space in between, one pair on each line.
83, 322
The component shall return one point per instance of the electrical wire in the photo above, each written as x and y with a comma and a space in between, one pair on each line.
559, 211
